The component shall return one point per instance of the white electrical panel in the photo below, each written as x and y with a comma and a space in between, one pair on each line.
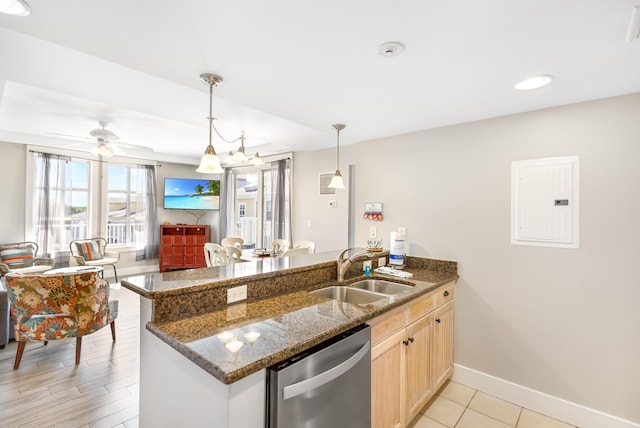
545, 202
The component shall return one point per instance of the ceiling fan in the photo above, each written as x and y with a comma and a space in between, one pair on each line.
106, 143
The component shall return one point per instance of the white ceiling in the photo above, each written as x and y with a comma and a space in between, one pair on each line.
293, 68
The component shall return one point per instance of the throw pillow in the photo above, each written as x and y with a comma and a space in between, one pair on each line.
17, 257
90, 250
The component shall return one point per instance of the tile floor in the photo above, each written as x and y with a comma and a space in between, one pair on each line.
458, 406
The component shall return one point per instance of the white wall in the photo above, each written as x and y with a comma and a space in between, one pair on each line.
312, 218
12, 192
564, 322
168, 170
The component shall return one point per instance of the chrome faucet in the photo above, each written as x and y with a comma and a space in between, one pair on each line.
345, 262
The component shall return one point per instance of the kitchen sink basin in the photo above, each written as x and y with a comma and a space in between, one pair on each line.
380, 286
350, 295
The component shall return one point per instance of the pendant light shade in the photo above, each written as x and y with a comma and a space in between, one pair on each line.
336, 180
257, 160
210, 164
15, 7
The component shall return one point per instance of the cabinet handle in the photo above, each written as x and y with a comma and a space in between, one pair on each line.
411, 339
406, 342
446, 293
438, 320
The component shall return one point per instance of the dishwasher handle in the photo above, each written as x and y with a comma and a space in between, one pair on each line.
325, 377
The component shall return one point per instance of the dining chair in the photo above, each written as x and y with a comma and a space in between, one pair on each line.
279, 246
233, 241
234, 253
215, 255
305, 244
59, 306
296, 251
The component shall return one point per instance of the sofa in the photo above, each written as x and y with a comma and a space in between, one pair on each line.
6, 326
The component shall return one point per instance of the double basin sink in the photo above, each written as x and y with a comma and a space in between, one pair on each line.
362, 292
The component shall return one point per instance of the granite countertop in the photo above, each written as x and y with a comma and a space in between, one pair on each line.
176, 282
279, 319
273, 329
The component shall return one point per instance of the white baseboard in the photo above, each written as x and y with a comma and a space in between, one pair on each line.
537, 401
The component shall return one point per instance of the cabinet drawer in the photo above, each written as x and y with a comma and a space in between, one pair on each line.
386, 324
419, 307
444, 294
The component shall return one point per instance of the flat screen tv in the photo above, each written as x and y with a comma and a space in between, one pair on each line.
191, 194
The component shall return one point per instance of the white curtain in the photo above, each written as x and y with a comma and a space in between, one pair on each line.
49, 206
146, 212
281, 222
227, 204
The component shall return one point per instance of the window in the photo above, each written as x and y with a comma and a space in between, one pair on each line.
124, 206
261, 203
76, 198
61, 188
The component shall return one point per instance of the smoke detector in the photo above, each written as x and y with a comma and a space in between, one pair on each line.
390, 49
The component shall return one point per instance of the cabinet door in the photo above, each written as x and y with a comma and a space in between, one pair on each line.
443, 344
419, 385
387, 382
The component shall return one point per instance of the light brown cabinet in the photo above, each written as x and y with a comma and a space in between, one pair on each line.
411, 357
442, 350
182, 246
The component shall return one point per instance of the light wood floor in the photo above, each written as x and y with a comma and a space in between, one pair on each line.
48, 390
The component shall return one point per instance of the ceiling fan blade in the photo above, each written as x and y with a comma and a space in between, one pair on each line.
117, 150
74, 137
131, 146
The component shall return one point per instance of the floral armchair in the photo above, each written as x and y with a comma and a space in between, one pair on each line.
93, 252
58, 306
22, 257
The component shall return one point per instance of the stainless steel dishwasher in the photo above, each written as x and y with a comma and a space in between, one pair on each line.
326, 386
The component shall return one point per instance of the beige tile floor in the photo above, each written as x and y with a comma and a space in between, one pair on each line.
458, 406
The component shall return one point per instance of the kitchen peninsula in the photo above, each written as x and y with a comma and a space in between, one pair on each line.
203, 362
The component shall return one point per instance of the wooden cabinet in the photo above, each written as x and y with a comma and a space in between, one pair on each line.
182, 246
419, 385
411, 357
387, 369
442, 351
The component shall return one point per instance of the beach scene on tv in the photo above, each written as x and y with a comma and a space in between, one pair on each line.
191, 194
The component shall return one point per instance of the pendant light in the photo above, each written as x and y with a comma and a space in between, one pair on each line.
336, 181
209, 164
239, 156
15, 7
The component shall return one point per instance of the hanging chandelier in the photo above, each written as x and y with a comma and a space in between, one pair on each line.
336, 180
209, 163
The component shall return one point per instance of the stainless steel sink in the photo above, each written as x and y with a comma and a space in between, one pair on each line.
380, 286
350, 295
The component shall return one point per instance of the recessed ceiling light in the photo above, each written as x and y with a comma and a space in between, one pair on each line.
534, 82
390, 49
